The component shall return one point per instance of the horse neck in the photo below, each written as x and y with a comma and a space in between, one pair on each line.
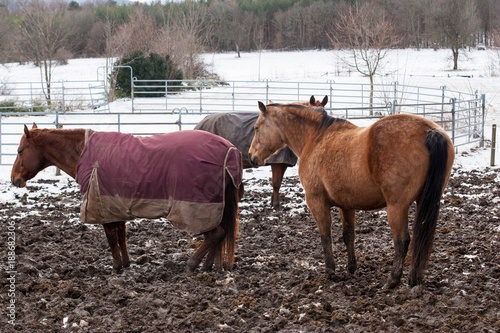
297, 130
63, 148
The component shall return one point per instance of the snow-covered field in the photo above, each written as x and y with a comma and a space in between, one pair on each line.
479, 70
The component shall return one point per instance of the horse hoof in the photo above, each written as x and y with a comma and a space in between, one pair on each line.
330, 274
207, 269
275, 204
191, 266
413, 280
351, 268
390, 284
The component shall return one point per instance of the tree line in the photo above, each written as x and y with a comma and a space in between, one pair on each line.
57, 30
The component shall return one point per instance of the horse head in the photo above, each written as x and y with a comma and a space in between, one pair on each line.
266, 140
29, 161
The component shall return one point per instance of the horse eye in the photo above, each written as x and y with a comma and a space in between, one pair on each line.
256, 128
19, 152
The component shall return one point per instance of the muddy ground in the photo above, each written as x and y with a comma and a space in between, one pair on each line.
64, 280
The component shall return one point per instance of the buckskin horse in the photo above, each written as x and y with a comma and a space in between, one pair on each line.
397, 160
192, 178
238, 128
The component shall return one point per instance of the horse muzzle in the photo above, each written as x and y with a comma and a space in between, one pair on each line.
254, 161
18, 182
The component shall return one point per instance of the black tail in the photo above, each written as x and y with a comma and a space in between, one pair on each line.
230, 224
428, 204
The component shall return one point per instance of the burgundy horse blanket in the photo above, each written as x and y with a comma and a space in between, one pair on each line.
180, 176
238, 128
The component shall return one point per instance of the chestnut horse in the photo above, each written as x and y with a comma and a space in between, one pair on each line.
238, 129
392, 163
40, 148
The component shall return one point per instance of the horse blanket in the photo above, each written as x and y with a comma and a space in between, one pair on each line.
180, 176
238, 128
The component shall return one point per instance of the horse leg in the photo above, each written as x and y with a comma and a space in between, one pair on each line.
211, 245
219, 243
214, 239
198, 255
398, 221
320, 210
278, 170
122, 241
241, 192
349, 233
111, 230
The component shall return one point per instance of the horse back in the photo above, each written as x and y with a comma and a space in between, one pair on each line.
365, 167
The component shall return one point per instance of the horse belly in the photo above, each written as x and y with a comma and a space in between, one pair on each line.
363, 195
347, 183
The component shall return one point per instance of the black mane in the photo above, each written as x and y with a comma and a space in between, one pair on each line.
326, 121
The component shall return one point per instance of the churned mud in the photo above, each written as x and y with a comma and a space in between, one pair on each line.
64, 280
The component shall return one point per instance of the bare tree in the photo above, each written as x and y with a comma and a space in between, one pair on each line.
192, 25
106, 40
137, 34
113, 48
454, 23
366, 35
44, 31
227, 30
410, 17
486, 11
182, 39
6, 28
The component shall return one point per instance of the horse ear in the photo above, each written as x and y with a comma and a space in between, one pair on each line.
26, 131
312, 100
34, 126
325, 100
262, 107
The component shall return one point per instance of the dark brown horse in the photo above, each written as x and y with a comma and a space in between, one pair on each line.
237, 127
392, 163
68, 148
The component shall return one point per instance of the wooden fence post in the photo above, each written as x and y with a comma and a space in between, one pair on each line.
493, 143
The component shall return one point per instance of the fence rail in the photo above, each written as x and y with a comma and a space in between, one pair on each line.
182, 104
241, 96
61, 96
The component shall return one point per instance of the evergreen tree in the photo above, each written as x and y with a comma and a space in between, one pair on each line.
147, 67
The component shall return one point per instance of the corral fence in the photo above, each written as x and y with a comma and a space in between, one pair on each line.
61, 96
176, 105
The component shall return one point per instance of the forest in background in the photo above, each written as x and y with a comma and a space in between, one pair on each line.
52, 31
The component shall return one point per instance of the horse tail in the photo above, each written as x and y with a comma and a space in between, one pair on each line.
230, 224
428, 203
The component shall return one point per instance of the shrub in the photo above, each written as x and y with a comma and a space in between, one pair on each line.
150, 67
8, 106
62, 55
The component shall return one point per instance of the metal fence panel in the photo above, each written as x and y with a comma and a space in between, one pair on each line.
61, 95
182, 104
